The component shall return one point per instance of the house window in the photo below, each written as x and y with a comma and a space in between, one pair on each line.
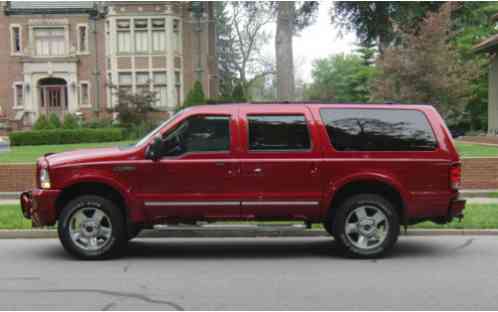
176, 34
178, 88
158, 35
82, 38
84, 93
161, 89
141, 36
125, 82
18, 95
142, 81
15, 35
124, 36
49, 41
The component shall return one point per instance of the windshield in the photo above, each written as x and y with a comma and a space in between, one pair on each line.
156, 130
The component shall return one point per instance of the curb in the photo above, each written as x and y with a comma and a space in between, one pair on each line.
234, 233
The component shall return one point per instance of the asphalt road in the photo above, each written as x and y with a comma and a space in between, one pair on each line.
437, 272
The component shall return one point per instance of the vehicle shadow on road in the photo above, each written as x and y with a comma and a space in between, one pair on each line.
264, 249
164, 248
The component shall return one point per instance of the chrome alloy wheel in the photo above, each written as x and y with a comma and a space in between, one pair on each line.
366, 227
90, 228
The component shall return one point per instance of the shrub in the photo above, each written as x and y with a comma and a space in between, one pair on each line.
238, 94
137, 131
54, 121
98, 123
65, 136
41, 123
70, 122
195, 96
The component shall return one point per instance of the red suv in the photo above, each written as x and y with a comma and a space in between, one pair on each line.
360, 170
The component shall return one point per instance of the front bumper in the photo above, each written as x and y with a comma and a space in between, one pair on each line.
39, 206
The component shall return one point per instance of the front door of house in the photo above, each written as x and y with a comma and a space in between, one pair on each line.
53, 99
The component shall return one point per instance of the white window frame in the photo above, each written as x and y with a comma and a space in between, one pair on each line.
80, 93
78, 37
14, 92
164, 84
12, 38
51, 27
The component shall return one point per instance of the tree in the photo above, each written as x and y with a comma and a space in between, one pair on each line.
377, 21
289, 22
132, 108
341, 79
238, 94
426, 68
195, 96
226, 49
472, 24
248, 23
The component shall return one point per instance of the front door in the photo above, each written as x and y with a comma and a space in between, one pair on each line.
196, 177
280, 164
53, 99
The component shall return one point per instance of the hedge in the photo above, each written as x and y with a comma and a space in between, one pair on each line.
66, 136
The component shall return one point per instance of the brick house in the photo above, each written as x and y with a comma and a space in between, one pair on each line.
61, 57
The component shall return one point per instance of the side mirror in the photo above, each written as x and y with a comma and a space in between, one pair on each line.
154, 149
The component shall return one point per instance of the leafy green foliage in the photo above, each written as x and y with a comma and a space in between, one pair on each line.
341, 79
238, 94
378, 21
65, 136
70, 122
54, 121
426, 68
132, 108
195, 96
41, 123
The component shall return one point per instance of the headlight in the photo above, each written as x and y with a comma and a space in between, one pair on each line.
44, 179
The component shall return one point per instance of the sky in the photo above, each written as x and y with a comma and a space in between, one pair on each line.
318, 40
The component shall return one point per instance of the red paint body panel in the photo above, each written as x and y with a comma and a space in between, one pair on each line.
240, 184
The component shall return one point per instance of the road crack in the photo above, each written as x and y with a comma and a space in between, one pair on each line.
128, 295
467, 243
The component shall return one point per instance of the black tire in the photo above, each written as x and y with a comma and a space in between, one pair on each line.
117, 237
133, 231
376, 202
327, 225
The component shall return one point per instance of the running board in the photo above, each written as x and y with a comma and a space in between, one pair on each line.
232, 226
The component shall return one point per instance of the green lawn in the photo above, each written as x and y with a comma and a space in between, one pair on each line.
476, 150
484, 216
29, 154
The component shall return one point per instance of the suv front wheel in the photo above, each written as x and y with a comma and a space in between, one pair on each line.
92, 228
366, 225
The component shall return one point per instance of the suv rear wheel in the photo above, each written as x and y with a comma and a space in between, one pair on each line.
366, 225
92, 227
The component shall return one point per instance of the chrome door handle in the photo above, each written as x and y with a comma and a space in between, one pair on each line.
257, 170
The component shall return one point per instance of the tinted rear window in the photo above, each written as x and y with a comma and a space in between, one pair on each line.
278, 132
378, 130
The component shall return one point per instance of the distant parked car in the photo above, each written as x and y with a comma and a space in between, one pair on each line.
4, 145
360, 170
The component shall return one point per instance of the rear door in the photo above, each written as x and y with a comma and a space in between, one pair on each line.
280, 163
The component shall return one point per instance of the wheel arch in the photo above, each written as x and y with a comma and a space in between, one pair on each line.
93, 187
370, 185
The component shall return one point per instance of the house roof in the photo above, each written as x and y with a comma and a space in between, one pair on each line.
50, 7
487, 45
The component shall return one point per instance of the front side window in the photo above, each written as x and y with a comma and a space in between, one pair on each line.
82, 38
18, 95
207, 133
378, 130
278, 133
16, 39
50, 41
84, 94
123, 36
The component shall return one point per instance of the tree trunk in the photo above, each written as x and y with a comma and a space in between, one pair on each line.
283, 51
